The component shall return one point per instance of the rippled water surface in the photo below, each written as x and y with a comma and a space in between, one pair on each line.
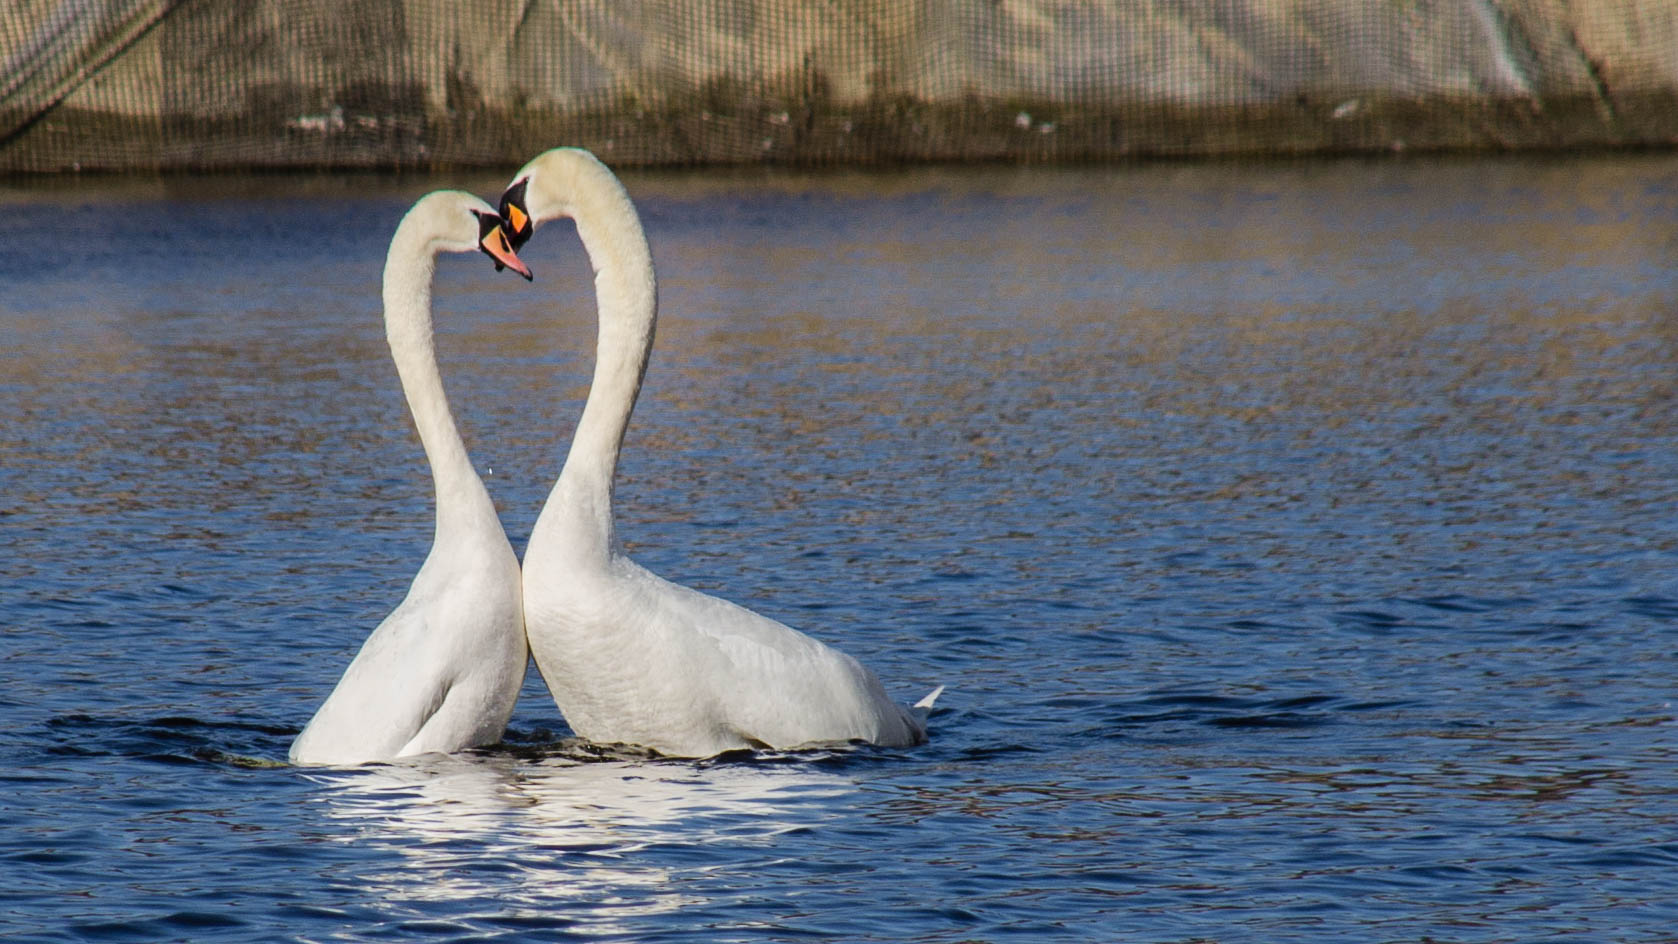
1297, 543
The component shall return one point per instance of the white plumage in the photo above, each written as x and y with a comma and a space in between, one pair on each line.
442, 672
628, 656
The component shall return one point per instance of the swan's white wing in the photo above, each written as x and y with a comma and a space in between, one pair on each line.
383, 698
769, 683
439, 674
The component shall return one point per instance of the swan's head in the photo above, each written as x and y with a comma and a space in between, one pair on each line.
544, 190
460, 222
492, 239
515, 213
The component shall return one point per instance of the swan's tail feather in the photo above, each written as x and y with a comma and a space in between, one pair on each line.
917, 714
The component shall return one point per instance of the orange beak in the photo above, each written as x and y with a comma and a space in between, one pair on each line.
494, 244
516, 218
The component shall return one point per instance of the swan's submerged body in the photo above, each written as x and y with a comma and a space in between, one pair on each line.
628, 656
443, 670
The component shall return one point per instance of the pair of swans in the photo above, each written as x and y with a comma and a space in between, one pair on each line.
629, 657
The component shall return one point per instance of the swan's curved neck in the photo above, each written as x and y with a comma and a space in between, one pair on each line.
462, 500
628, 298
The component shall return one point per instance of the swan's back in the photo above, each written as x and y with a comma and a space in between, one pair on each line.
653, 663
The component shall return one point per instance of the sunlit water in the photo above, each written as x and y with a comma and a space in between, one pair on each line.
1297, 543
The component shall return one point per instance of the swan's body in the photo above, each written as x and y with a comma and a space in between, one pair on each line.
442, 672
628, 656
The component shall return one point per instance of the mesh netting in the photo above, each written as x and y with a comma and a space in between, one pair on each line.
173, 84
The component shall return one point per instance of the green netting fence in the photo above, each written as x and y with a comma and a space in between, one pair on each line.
206, 84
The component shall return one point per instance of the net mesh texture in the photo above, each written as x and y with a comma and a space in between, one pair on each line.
226, 84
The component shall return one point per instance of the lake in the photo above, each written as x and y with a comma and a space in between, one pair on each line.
1298, 543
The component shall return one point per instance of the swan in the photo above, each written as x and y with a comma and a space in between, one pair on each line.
628, 656
442, 671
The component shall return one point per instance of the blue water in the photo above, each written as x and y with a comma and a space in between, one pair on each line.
1299, 544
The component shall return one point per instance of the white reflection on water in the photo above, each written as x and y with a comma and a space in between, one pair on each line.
562, 831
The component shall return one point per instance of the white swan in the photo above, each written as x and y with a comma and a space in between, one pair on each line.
442, 671
628, 656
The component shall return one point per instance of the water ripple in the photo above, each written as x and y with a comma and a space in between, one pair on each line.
1295, 542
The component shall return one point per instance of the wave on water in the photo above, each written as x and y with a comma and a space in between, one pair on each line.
171, 739
176, 739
